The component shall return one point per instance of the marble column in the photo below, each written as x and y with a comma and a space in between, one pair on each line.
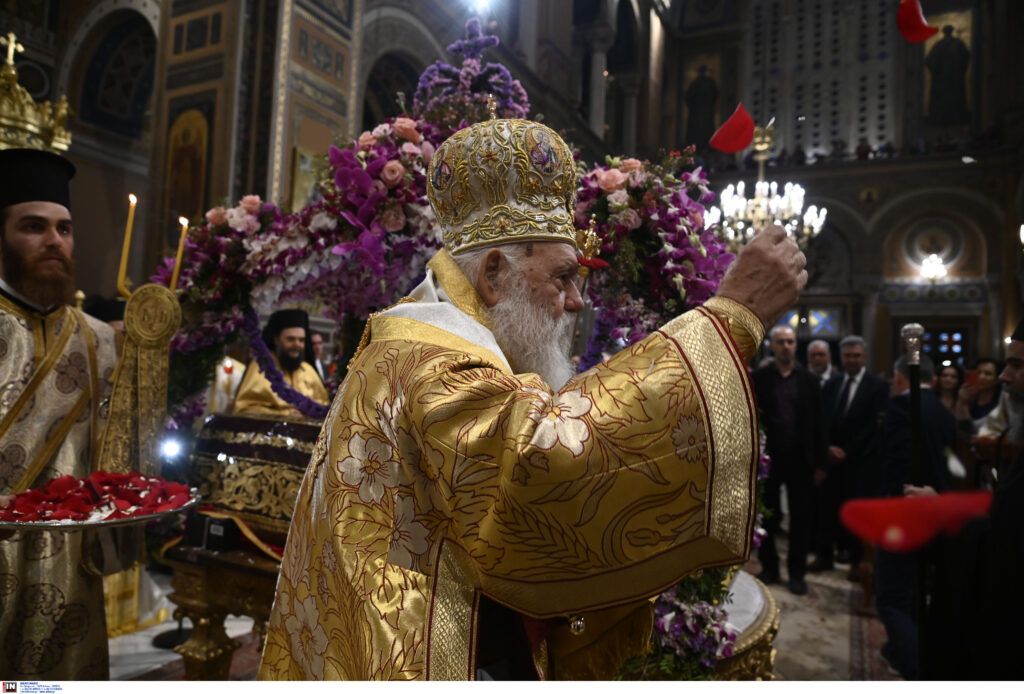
528, 21
629, 83
598, 40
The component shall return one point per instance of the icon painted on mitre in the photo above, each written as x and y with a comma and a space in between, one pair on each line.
542, 153
442, 176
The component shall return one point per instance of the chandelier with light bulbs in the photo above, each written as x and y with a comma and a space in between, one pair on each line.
933, 268
741, 217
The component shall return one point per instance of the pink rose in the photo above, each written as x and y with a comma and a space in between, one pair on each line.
392, 173
610, 180
428, 151
619, 197
629, 219
366, 141
240, 220
217, 216
251, 203
393, 218
405, 128
382, 130
410, 149
628, 165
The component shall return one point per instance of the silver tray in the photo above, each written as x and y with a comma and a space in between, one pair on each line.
72, 526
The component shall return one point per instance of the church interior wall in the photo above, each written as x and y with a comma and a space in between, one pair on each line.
109, 68
275, 82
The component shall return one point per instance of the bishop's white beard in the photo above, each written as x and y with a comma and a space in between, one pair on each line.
532, 340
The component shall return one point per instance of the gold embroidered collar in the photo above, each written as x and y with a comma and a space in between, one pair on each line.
459, 289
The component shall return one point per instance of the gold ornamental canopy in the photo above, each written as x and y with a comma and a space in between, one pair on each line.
23, 122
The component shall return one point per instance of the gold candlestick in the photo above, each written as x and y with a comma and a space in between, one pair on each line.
181, 250
122, 288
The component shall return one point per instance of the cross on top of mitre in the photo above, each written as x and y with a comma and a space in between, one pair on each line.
11, 41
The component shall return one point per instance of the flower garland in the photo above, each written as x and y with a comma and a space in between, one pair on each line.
455, 97
359, 247
650, 219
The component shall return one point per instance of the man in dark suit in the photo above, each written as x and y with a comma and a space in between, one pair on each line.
789, 398
895, 574
854, 404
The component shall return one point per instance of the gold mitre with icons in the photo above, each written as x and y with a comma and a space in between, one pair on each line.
23, 122
503, 180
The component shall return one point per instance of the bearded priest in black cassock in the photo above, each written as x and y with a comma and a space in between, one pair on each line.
56, 365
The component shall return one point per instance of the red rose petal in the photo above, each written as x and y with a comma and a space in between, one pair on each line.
62, 485
904, 524
735, 134
911, 22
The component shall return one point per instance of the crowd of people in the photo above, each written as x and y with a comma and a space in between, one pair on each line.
840, 434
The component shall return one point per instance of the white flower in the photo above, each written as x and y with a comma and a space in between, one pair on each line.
322, 221
619, 197
307, 636
560, 422
240, 220
369, 466
382, 130
265, 296
409, 537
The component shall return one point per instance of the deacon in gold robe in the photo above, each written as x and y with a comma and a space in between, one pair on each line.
472, 509
286, 333
55, 369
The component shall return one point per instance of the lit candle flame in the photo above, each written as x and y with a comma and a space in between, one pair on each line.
122, 288
183, 221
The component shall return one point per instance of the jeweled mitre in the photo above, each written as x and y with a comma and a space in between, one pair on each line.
503, 181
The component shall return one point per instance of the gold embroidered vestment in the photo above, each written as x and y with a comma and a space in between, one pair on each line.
440, 476
255, 396
55, 375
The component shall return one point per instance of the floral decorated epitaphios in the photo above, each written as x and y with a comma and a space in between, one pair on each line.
215, 285
453, 97
360, 246
657, 259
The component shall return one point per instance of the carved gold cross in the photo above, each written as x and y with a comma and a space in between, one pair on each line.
11, 41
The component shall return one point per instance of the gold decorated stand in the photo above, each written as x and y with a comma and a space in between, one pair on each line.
753, 656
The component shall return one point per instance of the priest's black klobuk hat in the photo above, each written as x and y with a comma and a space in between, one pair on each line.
34, 175
287, 318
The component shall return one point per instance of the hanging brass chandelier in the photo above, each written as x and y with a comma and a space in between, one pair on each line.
741, 217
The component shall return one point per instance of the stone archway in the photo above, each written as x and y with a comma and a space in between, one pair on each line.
391, 74
148, 9
396, 33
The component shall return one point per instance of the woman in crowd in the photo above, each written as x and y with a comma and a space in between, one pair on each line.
951, 377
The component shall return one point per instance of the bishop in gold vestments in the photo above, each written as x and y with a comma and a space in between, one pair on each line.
450, 483
55, 369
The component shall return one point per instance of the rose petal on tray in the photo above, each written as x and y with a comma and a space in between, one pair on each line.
911, 22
